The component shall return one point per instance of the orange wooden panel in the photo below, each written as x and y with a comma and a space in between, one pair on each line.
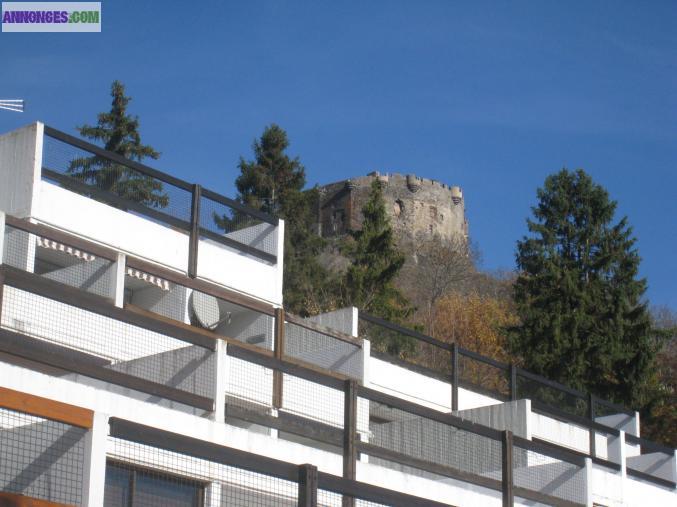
13, 500
44, 407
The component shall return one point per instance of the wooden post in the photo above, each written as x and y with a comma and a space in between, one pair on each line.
507, 466
194, 231
307, 486
278, 347
349, 436
454, 377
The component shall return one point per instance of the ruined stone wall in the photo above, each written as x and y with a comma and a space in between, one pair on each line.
415, 206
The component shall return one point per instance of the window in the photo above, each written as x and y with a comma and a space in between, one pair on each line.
127, 486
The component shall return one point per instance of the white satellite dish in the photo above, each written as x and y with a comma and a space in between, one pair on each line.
206, 310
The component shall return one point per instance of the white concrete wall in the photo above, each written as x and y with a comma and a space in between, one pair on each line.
155, 242
20, 169
418, 388
562, 433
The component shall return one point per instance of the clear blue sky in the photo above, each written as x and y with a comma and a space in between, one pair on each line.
492, 96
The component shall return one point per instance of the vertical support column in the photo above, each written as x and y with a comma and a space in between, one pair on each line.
279, 353
119, 282
591, 431
622, 457
94, 466
220, 381
454, 377
213, 495
307, 486
2, 235
507, 467
194, 231
588, 482
513, 382
349, 436
2, 249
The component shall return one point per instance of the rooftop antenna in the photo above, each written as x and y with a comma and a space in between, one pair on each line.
16, 105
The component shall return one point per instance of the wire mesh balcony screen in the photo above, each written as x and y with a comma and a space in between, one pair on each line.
544, 474
312, 401
432, 441
386, 340
116, 184
218, 220
100, 342
483, 377
219, 485
331, 499
58, 261
249, 385
41, 458
558, 399
201, 310
323, 350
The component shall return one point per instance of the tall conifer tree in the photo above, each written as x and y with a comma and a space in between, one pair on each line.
119, 133
273, 182
369, 282
583, 319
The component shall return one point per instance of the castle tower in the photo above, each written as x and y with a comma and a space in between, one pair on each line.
416, 206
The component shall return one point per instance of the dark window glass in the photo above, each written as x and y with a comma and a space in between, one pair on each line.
127, 487
117, 489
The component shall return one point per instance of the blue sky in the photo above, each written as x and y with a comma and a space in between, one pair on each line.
491, 96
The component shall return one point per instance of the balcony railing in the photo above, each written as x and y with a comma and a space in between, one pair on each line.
61, 308
107, 177
497, 380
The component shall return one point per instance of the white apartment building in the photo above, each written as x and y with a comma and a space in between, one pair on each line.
146, 360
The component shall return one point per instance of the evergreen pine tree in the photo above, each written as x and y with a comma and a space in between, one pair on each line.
583, 321
119, 133
273, 182
375, 262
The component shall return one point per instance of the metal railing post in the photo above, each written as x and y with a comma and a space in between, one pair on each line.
454, 377
350, 436
194, 231
278, 349
307, 486
507, 468
513, 382
591, 416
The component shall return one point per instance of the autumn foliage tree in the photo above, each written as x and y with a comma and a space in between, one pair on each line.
477, 323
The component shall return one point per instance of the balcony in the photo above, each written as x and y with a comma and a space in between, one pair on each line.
141, 211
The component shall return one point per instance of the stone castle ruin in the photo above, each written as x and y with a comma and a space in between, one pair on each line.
416, 206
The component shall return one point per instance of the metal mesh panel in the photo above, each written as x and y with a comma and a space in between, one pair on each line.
556, 398
544, 474
57, 261
181, 303
483, 377
311, 400
323, 350
221, 485
41, 458
249, 384
387, 340
220, 220
432, 441
109, 182
110, 344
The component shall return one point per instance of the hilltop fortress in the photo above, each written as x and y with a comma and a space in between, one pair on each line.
415, 206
